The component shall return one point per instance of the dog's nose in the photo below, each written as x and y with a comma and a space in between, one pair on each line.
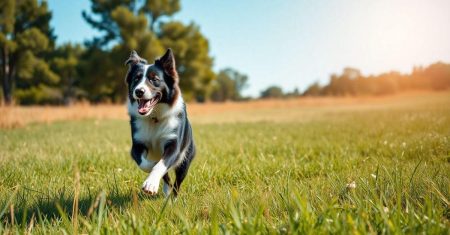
139, 92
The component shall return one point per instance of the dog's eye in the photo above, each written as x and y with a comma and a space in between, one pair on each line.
138, 77
152, 76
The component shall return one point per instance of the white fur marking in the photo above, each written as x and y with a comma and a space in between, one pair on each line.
141, 85
151, 184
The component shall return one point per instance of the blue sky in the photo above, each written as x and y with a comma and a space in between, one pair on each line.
292, 43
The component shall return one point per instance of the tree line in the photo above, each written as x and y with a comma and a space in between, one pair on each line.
351, 82
34, 70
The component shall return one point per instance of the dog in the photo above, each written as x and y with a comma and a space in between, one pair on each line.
161, 134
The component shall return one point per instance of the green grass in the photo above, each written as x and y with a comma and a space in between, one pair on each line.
287, 177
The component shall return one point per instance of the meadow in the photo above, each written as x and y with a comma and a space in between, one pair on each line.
303, 166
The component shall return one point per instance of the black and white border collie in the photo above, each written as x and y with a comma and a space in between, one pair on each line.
160, 130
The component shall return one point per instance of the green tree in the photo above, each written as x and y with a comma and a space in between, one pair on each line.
139, 25
25, 39
155, 9
191, 50
65, 63
313, 90
272, 92
229, 85
123, 30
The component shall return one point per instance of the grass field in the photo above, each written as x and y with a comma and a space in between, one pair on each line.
375, 165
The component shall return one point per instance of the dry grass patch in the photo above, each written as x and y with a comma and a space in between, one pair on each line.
296, 109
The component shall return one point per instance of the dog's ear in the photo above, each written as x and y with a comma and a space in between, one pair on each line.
167, 63
134, 59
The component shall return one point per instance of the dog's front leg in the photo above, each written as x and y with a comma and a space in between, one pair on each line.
151, 184
139, 154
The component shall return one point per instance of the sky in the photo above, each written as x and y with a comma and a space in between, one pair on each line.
294, 43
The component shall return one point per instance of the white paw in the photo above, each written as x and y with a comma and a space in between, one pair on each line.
150, 186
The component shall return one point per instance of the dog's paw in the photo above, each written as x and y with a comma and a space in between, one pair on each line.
150, 186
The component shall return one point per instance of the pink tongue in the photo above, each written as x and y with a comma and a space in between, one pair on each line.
143, 107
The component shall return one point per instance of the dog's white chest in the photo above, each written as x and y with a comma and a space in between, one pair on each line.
155, 134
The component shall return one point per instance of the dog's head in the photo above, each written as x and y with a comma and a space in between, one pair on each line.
151, 84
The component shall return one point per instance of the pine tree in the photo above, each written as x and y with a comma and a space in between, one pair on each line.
143, 26
25, 37
191, 52
65, 62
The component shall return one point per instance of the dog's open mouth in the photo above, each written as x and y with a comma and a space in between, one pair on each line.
145, 106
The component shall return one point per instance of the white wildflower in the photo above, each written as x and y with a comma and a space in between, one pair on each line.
351, 185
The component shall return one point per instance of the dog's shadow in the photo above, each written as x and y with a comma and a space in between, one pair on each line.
60, 206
